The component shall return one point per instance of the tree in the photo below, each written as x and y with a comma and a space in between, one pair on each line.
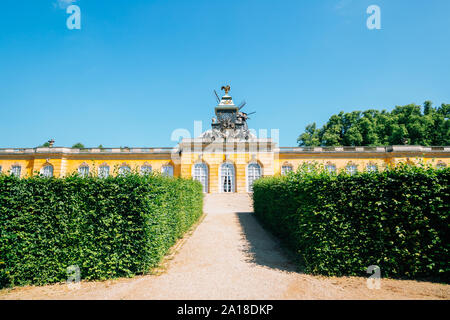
44, 145
78, 145
404, 124
310, 137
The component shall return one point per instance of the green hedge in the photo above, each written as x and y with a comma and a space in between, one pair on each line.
113, 227
339, 224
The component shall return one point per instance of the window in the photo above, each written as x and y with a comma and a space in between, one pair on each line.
226, 177
200, 173
15, 171
253, 173
146, 169
351, 169
83, 171
47, 171
103, 171
439, 165
330, 168
124, 170
285, 169
167, 170
0, 168
371, 168
309, 167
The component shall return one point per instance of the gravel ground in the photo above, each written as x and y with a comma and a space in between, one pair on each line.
230, 256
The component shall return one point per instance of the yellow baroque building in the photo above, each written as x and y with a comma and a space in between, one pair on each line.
226, 158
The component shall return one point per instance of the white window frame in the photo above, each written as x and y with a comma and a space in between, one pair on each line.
103, 171
349, 169
440, 165
50, 170
200, 173
285, 170
83, 171
329, 166
230, 167
124, 170
250, 175
146, 169
16, 170
167, 170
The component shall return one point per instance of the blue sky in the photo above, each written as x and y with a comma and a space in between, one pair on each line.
137, 70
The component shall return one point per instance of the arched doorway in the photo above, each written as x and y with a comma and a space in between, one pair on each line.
226, 178
200, 173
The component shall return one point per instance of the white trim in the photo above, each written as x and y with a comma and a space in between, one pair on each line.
287, 165
84, 174
247, 185
51, 171
124, 169
14, 173
103, 167
205, 166
149, 169
233, 180
170, 171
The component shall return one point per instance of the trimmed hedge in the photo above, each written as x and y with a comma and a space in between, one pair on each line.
113, 227
339, 224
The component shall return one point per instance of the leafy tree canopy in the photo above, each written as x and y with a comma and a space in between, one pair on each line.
410, 124
78, 145
44, 145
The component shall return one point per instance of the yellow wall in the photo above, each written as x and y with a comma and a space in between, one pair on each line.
360, 160
270, 162
239, 161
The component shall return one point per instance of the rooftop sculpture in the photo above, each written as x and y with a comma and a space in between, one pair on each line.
230, 122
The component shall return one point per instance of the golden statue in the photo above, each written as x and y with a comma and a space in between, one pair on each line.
226, 89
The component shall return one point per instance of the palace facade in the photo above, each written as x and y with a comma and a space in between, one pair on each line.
226, 158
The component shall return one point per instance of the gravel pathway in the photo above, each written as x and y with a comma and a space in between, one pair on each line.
230, 256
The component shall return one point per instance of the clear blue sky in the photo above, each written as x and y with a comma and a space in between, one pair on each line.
138, 69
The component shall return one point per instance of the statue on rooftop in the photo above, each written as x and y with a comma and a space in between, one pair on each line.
226, 89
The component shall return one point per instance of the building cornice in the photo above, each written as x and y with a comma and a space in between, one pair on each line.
379, 149
199, 146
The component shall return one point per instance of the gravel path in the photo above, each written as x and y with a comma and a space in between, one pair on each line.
230, 256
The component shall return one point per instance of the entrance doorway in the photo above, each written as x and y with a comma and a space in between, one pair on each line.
226, 177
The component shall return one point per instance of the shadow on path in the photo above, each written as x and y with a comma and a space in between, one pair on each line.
263, 248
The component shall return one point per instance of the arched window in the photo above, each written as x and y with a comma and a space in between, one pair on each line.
308, 166
253, 173
441, 165
103, 171
286, 168
146, 169
226, 177
371, 167
47, 171
200, 173
167, 170
124, 170
351, 169
16, 170
330, 168
83, 170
